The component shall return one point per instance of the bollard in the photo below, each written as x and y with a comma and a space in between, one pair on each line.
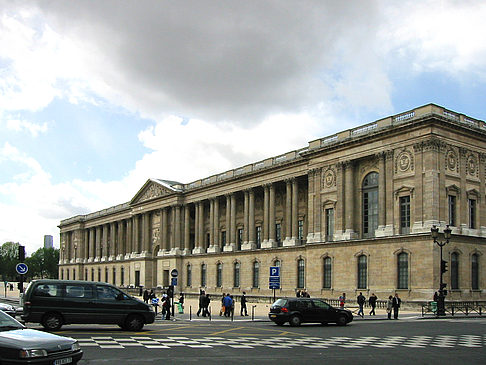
209, 313
190, 312
253, 312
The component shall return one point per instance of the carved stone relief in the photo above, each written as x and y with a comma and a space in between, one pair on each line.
451, 161
329, 178
404, 162
152, 191
472, 167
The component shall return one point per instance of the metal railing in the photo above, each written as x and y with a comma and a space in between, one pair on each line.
454, 308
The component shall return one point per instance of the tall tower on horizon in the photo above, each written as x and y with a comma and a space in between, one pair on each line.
48, 241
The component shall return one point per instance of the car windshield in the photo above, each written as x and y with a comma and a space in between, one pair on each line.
7, 322
280, 303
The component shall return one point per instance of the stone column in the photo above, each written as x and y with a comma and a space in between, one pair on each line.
349, 190
295, 210
129, 238
311, 205
245, 218
91, 245
380, 231
86, 246
176, 244
199, 228
272, 239
228, 219
187, 230
215, 226
265, 216
288, 213
211, 225
98, 244
250, 221
112, 244
147, 234
120, 250
197, 244
318, 216
231, 234
136, 239
104, 242
482, 195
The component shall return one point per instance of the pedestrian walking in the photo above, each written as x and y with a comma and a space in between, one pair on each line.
206, 302
396, 305
243, 305
221, 311
228, 302
361, 301
298, 294
389, 306
342, 300
166, 307
372, 302
145, 296
155, 303
181, 300
202, 298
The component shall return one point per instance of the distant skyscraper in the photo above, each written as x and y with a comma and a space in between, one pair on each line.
48, 241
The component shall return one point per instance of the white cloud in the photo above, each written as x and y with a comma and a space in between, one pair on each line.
22, 125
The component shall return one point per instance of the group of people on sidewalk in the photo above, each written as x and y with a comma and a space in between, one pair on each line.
392, 305
164, 302
228, 305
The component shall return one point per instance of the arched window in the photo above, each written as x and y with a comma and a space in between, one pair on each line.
122, 276
114, 276
67, 274
203, 275
327, 273
256, 274
475, 271
300, 273
86, 275
362, 272
92, 275
219, 275
99, 274
236, 274
74, 274
189, 275
402, 270
370, 204
454, 270
106, 274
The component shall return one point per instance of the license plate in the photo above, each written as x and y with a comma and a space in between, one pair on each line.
67, 360
273, 316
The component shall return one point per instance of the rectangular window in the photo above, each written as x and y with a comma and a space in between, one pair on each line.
256, 274
329, 224
258, 236
362, 272
223, 238
203, 275
189, 276
278, 234
405, 214
240, 238
219, 275
472, 213
300, 230
327, 273
300, 274
452, 210
236, 275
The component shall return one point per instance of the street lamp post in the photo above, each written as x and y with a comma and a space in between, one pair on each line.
443, 266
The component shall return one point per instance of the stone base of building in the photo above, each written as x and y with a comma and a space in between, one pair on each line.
229, 247
214, 249
248, 246
198, 250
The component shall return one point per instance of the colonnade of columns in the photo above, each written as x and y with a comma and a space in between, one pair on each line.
192, 228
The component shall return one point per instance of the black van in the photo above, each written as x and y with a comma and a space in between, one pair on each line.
53, 303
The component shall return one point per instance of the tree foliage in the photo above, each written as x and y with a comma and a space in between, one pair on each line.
42, 264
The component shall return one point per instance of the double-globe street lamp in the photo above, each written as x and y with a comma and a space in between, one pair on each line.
443, 266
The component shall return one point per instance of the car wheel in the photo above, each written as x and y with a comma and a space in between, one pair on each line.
52, 321
134, 323
342, 321
295, 321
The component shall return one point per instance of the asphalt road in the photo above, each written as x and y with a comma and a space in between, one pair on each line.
407, 341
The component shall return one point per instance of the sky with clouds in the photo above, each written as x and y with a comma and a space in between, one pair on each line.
98, 96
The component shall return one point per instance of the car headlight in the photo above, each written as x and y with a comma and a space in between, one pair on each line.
27, 354
75, 346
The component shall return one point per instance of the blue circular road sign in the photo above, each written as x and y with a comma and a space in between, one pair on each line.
21, 268
174, 273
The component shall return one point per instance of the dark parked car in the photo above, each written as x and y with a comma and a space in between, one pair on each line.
9, 309
307, 310
54, 303
20, 345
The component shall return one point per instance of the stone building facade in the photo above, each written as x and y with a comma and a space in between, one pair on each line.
350, 212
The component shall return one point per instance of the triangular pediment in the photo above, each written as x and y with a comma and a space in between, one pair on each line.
153, 189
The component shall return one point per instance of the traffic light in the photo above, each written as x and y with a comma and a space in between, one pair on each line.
443, 266
21, 253
170, 291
